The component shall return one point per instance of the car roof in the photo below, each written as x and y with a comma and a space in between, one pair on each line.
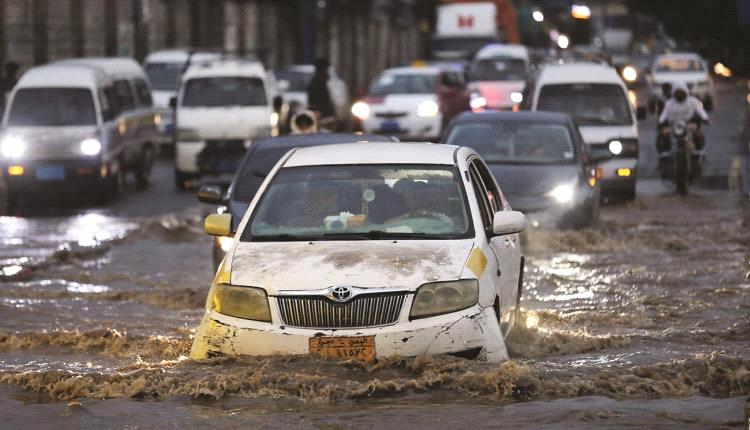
63, 76
303, 68
225, 68
685, 55
302, 140
373, 153
522, 116
180, 56
571, 73
504, 50
113, 66
412, 70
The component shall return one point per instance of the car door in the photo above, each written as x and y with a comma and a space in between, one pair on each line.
146, 113
110, 111
506, 248
128, 121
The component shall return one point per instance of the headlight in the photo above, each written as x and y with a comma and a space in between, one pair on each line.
187, 135
615, 147
516, 97
361, 110
427, 108
242, 302
438, 298
12, 147
91, 146
629, 74
225, 242
562, 193
477, 102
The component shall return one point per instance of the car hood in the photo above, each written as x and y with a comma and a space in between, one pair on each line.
526, 185
226, 122
45, 143
497, 93
279, 266
686, 77
604, 133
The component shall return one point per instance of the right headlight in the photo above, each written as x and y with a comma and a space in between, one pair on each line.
12, 147
623, 147
241, 302
437, 298
187, 135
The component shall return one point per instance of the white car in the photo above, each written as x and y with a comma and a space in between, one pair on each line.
221, 108
368, 250
689, 68
597, 99
402, 102
498, 76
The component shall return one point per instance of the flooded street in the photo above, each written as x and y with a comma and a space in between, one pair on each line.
642, 319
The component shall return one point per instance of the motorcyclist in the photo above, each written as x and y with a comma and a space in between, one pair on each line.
666, 95
319, 96
304, 122
682, 107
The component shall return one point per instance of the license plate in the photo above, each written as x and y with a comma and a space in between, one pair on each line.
389, 126
50, 173
358, 348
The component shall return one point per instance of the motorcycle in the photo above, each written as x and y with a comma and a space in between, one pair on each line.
683, 163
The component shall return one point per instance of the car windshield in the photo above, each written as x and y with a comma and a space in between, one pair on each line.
500, 69
402, 83
588, 104
297, 80
679, 65
165, 76
52, 107
361, 202
515, 142
224, 91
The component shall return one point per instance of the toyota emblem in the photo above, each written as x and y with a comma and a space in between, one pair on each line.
341, 293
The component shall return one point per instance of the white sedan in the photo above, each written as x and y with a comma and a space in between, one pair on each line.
368, 250
689, 68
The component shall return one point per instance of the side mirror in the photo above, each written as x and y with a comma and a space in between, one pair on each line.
640, 113
508, 222
173, 102
211, 194
218, 225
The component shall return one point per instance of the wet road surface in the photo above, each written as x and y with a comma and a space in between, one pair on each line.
641, 321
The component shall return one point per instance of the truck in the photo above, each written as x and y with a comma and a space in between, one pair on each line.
465, 26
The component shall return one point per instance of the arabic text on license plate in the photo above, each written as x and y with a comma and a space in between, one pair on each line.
389, 126
359, 348
50, 173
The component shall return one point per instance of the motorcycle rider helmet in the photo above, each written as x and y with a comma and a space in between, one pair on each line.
680, 91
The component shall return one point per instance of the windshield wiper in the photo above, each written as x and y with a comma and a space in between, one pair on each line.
284, 237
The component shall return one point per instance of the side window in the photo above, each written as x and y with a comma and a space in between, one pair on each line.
494, 195
481, 194
124, 96
110, 106
143, 92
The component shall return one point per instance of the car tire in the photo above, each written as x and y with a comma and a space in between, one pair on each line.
109, 188
144, 167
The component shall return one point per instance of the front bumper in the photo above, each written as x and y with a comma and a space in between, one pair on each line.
202, 158
409, 127
67, 174
472, 328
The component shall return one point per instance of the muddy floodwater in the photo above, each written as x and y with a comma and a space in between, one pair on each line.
642, 321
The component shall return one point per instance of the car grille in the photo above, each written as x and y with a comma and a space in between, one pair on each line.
366, 310
391, 115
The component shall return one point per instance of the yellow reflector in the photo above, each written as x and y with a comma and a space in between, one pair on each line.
418, 63
623, 172
16, 170
592, 181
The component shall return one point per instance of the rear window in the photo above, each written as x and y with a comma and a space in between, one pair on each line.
52, 107
498, 69
224, 91
165, 76
679, 65
588, 104
298, 80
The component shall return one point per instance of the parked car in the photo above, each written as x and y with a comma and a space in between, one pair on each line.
539, 159
686, 67
413, 103
61, 135
165, 69
293, 81
139, 120
497, 76
367, 251
596, 97
222, 107
255, 166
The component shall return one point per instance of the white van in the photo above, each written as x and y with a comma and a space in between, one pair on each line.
220, 109
164, 70
596, 97
139, 120
498, 76
60, 133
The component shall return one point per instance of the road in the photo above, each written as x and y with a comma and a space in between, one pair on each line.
641, 321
